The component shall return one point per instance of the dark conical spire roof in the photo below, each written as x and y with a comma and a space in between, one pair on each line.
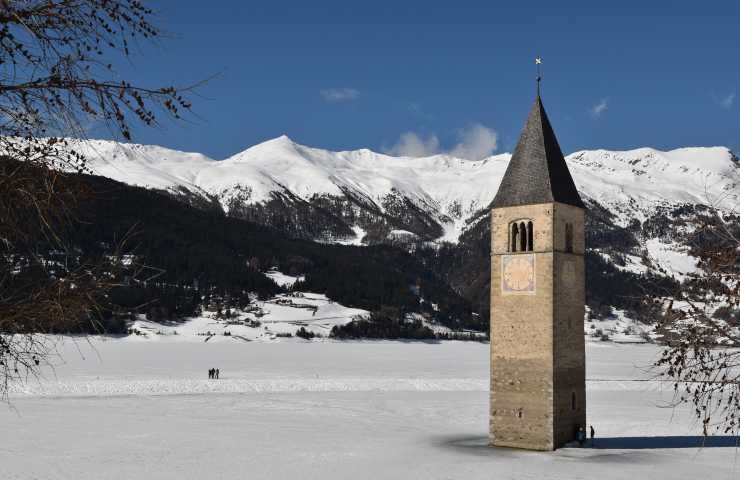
537, 172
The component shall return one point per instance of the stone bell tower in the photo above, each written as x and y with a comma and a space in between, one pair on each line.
538, 387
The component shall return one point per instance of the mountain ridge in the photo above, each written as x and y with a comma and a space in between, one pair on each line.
450, 191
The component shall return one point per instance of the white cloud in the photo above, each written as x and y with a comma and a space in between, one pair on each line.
413, 145
727, 101
475, 142
339, 94
601, 107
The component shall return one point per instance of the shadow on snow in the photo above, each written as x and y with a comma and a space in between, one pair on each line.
636, 443
479, 444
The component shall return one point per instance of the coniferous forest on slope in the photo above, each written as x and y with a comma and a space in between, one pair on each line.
184, 256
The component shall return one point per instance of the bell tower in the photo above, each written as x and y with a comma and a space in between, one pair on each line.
538, 387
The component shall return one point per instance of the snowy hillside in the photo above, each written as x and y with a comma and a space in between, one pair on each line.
446, 191
632, 184
261, 321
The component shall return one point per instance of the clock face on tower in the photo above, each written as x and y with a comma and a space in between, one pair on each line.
517, 274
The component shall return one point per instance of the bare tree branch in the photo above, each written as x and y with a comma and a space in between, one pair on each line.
56, 76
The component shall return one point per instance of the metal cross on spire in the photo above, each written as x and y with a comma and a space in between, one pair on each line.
538, 62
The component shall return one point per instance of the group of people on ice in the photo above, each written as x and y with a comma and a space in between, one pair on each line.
213, 373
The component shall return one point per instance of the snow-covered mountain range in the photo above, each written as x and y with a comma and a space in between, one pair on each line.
361, 195
646, 218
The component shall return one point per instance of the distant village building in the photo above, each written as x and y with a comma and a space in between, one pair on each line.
538, 388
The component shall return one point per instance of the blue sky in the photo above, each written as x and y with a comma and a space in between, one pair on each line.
423, 76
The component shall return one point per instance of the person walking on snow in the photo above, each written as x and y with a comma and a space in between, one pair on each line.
217, 372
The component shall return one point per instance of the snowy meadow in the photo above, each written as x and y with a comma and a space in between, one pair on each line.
126, 408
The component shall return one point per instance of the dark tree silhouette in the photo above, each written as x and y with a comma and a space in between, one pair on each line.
56, 76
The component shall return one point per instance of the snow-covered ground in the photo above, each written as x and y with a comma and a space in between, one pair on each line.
262, 321
357, 239
282, 279
119, 409
673, 258
619, 327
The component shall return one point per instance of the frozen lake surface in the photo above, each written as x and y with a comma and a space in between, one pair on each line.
122, 409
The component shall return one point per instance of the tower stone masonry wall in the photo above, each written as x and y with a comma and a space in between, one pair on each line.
537, 363
568, 341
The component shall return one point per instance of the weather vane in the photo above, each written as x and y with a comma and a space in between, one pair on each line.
538, 62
